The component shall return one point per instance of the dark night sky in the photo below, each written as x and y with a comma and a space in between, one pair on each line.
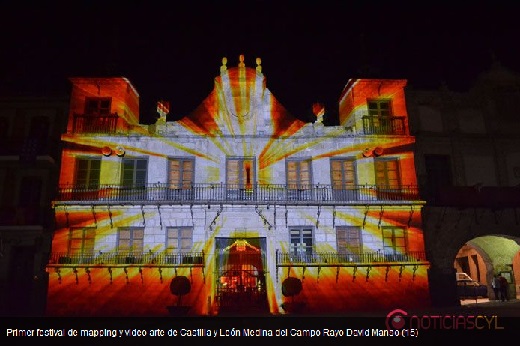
309, 49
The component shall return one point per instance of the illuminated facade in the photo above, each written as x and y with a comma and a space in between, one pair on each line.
237, 196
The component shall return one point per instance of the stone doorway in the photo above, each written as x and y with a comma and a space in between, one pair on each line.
241, 274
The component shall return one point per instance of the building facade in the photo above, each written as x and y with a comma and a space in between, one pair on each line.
30, 153
238, 207
468, 166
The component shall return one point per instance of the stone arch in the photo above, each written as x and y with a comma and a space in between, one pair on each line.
499, 253
447, 229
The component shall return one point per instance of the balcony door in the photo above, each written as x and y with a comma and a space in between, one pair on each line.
438, 175
349, 243
97, 112
299, 179
394, 243
130, 245
81, 244
133, 179
301, 244
388, 180
86, 184
343, 174
180, 178
240, 178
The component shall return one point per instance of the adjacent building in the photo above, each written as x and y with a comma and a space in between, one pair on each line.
238, 207
468, 166
30, 153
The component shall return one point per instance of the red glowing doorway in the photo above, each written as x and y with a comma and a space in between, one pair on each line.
241, 272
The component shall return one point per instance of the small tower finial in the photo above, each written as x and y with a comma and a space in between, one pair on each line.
224, 62
241, 59
258, 65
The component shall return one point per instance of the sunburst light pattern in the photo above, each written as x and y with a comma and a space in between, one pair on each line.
239, 172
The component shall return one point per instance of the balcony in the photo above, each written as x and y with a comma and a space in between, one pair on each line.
25, 216
384, 125
95, 123
333, 259
495, 197
366, 260
162, 193
127, 259
29, 147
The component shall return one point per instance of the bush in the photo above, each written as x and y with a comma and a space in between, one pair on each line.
179, 286
291, 286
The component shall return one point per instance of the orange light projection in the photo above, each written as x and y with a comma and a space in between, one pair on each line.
239, 135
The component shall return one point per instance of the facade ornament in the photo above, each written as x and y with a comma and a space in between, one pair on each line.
163, 109
241, 59
223, 67
258, 65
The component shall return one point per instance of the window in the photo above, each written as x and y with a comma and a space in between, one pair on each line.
480, 168
349, 241
37, 138
130, 241
97, 117
179, 239
29, 201
180, 178
438, 174
343, 175
430, 119
394, 242
133, 179
39, 128
134, 172
97, 105
379, 108
30, 192
388, 180
4, 129
505, 98
88, 173
180, 173
299, 179
240, 177
380, 119
301, 243
179, 244
81, 244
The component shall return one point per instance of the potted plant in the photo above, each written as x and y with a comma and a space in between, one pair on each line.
179, 286
291, 287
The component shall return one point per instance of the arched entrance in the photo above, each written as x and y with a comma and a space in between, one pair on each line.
483, 257
240, 280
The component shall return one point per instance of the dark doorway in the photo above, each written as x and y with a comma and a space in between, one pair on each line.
438, 175
241, 272
21, 282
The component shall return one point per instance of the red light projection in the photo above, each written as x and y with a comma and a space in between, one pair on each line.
249, 193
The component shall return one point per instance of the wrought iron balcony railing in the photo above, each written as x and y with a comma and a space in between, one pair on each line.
384, 125
341, 259
95, 123
226, 193
191, 259
494, 197
118, 258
